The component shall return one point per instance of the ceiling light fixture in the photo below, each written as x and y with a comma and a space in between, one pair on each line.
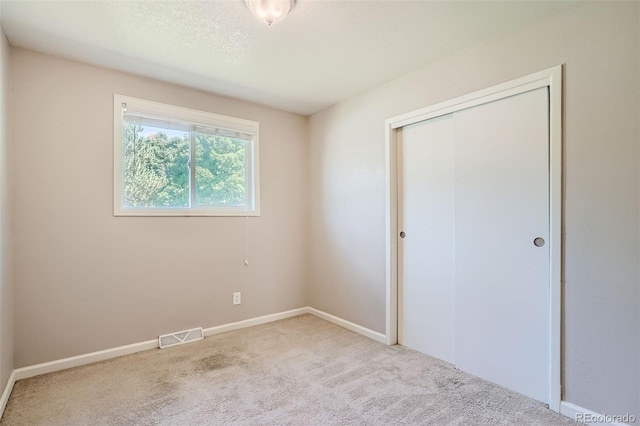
270, 11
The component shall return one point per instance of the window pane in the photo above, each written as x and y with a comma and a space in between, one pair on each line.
220, 171
156, 172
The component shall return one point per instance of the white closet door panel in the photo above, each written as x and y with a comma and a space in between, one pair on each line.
426, 296
502, 278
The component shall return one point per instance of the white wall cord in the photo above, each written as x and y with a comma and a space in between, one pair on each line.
246, 242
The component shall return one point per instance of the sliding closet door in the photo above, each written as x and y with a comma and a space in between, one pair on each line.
501, 252
426, 253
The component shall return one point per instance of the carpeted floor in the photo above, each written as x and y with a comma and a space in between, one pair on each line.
298, 371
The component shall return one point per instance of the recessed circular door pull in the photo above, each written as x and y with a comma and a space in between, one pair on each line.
402, 234
538, 242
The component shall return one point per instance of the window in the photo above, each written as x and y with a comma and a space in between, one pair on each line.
173, 161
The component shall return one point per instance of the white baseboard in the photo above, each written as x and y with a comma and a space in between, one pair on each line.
585, 416
254, 321
76, 361
7, 392
378, 337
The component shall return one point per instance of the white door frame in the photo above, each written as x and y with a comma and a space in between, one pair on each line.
551, 78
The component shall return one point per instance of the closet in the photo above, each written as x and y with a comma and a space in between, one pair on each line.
473, 253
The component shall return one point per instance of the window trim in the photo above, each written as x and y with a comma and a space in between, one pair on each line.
191, 116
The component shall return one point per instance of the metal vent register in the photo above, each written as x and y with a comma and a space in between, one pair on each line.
180, 337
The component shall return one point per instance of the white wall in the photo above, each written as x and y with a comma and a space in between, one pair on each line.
599, 43
6, 278
86, 280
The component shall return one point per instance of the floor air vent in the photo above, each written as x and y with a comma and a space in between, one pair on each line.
180, 337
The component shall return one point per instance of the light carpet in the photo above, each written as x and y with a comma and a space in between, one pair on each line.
298, 371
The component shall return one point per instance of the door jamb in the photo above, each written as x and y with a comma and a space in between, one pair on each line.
551, 78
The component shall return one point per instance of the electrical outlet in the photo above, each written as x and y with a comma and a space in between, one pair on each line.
237, 298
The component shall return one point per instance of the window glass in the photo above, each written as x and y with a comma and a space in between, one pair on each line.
156, 172
220, 171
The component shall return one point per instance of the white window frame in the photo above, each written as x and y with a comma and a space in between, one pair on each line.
194, 117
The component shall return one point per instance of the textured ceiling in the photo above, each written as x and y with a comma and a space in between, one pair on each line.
325, 51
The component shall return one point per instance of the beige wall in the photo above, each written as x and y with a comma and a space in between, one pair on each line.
86, 280
6, 279
598, 42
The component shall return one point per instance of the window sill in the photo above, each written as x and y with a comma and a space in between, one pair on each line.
185, 213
